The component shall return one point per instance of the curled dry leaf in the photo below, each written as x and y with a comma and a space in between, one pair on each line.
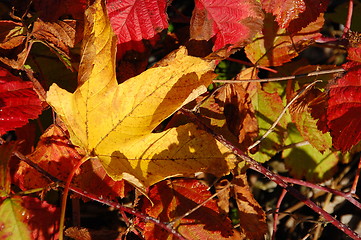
122, 138
60, 34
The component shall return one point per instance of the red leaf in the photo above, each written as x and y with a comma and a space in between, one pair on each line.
135, 20
42, 218
229, 22
18, 102
172, 199
54, 154
344, 108
295, 15
94, 179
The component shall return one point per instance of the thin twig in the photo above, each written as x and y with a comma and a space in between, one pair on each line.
281, 114
311, 74
94, 197
272, 176
322, 188
355, 181
276, 213
199, 205
349, 19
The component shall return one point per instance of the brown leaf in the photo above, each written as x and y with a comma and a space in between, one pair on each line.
59, 35
12, 34
239, 112
251, 216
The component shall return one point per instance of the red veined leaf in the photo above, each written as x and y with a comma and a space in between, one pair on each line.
135, 20
229, 22
295, 15
18, 102
173, 198
344, 108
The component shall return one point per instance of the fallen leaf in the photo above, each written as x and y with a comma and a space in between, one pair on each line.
275, 46
122, 139
228, 22
172, 199
18, 102
295, 15
344, 108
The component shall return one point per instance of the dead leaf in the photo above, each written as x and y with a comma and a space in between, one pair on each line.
115, 122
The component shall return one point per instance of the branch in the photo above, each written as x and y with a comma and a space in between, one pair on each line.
273, 177
311, 74
165, 226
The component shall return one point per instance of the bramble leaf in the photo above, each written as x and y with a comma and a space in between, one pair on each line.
295, 15
204, 223
228, 22
12, 222
344, 108
122, 139
18, 102
275, 46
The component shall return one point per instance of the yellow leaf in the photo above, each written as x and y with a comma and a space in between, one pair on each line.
115, 122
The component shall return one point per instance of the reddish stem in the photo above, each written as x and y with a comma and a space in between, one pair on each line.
94, 197
357, 176
349, 18
326, 189
276, 215
273, 177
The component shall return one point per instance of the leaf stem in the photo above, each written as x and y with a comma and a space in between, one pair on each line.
311, 74
276, 213
65, 195
273, 177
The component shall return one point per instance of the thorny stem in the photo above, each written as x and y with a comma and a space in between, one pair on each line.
273, 177
311, 74
65, 195
281, 115
94, 197
349, 18
325, 189
275, 214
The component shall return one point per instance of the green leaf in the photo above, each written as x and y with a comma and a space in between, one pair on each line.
306, 161
12, 216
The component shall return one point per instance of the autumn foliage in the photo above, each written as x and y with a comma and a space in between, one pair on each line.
166, 111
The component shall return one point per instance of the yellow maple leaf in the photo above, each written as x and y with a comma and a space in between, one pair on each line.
115, 122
